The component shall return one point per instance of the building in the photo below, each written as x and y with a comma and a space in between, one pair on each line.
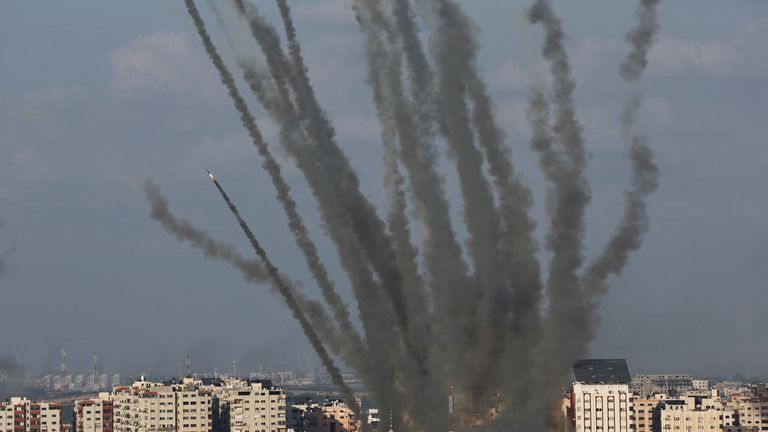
700, 385
646, 413
693, 413
600, 398
669, 384
249, 405
149, 406
94, 415
22, 415
329, 416
751, 414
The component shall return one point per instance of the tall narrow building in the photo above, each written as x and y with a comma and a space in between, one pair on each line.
601, 399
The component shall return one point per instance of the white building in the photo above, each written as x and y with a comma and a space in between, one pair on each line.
602, 407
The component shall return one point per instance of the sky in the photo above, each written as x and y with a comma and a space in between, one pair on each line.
97, 96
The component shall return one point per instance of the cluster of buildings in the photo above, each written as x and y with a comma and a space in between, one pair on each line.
192, 405
80, 382
605, 398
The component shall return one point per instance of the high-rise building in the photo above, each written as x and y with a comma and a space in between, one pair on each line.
116, 380
94, 415
22, 415
600, 398
149, 406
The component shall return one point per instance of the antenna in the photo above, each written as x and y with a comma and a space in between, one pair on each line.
63, 364
188, 365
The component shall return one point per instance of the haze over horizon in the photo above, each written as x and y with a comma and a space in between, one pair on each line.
99, 97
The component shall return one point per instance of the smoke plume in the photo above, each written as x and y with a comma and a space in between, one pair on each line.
486, 318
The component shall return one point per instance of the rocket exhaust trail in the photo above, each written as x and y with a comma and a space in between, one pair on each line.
293, 304
271, 165
377, 326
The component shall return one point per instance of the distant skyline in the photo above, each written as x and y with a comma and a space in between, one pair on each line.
96, 97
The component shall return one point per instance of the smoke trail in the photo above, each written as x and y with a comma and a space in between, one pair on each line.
370, 230
282, 189
384, 78
293, 304
252, 271
280, 107
641, 38
347, 213
645, 173
569, 197
377, 325
184, 231
517, 247
443, 259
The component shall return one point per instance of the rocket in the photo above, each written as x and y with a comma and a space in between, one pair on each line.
210, 174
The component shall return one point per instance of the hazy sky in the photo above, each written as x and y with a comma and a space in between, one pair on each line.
97, 95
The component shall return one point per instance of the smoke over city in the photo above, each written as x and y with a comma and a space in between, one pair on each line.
484, 321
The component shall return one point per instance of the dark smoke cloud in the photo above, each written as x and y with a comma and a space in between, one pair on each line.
12, 375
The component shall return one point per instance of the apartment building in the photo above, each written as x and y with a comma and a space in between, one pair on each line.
149, 406
249, 406
22, 415
669, 384
94, 415
646, 412
751, 414
330, 416
695, 414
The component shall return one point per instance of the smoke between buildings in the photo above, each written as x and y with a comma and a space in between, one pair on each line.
488, 320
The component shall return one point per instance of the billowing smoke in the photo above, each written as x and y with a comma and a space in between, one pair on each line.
12, 375
486, 319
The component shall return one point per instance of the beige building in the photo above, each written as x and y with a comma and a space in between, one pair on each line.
250, 406
22, 415
751, 414
156, 407
94, 415
646, 413
333, 416
602, 407
695, 414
